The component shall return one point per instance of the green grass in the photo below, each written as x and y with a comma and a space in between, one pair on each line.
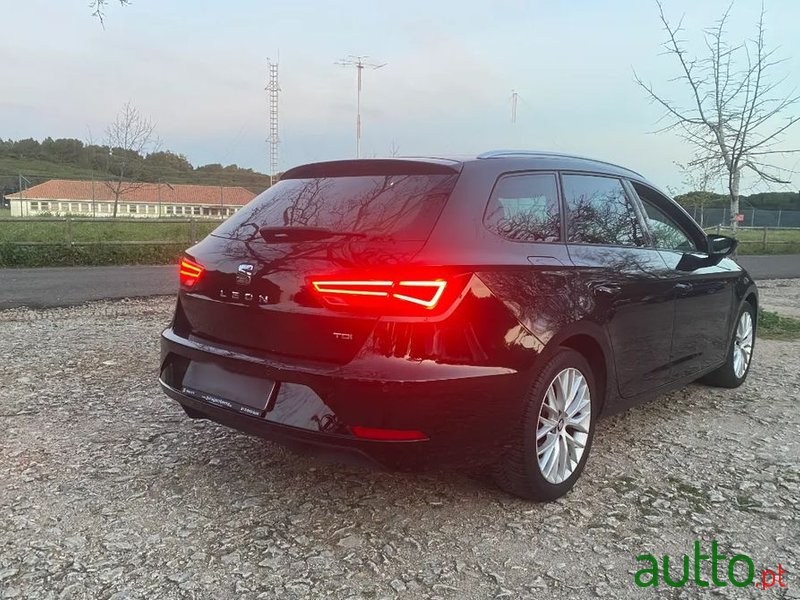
105, 230
5, 212
100, 235
751, 241
773, 326
12, 255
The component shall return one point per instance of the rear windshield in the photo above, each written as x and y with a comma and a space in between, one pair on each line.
402, 207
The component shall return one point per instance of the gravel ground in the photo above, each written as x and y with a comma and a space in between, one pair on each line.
107, 491
781, 296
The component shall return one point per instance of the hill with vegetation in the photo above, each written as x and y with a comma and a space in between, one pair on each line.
68, 158
73, 159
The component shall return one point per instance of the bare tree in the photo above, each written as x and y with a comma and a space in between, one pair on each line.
98, 8
701, 177
128, 138
736, 114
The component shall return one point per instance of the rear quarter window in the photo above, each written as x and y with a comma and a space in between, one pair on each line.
524, 208
401, 207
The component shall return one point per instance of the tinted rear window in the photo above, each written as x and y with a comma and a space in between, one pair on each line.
403, 207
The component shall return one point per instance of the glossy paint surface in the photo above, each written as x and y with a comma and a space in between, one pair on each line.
458, 373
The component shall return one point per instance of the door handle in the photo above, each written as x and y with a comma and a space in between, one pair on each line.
545, 261
683, 287
610, 289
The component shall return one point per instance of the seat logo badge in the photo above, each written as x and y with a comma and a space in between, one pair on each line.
244, 274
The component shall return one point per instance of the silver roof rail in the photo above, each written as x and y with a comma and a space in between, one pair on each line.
546, 154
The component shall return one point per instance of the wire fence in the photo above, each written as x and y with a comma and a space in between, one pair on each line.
763, 240
753, 217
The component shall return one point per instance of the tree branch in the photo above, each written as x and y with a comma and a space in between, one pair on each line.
739, 113
98, 8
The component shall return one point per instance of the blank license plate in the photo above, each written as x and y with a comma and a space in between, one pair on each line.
214, 385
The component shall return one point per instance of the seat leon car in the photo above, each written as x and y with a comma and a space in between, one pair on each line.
483, 310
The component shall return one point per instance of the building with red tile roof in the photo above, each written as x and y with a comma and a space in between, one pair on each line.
96, 198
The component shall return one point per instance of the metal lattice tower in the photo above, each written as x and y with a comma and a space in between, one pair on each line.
359, 63
273, 140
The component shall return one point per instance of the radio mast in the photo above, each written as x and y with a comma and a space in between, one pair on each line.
359, 62
272, 94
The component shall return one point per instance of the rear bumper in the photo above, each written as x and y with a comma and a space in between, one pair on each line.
331, 447
468, 413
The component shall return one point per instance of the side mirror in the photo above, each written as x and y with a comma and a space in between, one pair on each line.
719, 246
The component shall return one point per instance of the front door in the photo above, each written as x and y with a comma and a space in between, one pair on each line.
703, 305
703, 297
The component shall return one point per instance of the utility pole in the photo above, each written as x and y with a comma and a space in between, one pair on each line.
359, 62
272, 94
514, 99
22, 179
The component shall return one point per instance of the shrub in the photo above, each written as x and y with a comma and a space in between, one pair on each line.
13, 255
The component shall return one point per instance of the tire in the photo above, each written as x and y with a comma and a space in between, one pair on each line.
726, 376
518, 471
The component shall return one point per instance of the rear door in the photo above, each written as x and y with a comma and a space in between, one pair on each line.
622, 276
348, 219
704, 297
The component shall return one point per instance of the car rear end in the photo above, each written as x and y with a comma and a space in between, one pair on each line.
315, 317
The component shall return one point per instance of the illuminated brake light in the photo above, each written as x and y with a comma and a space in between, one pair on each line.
388, 435
189, 272
425, 293
355, 288
438, 285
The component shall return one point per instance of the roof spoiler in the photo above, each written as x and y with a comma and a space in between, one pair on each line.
374, 166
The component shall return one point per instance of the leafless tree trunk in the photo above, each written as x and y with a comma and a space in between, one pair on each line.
130, 135
735, 116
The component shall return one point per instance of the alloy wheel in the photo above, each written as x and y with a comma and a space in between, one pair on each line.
743, 344
563, 427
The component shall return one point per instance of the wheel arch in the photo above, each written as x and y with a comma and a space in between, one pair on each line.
746, 292
752, 298
591, 350
591, 342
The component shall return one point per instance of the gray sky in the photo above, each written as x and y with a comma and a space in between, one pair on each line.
198, 68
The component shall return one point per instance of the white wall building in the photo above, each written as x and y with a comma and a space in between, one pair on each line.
96, 199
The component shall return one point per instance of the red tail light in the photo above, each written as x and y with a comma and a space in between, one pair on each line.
332, 289
424, 293
398, 294
189, 272
388, 435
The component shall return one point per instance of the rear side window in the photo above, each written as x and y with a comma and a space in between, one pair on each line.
524, 208
600, 212
401, 207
